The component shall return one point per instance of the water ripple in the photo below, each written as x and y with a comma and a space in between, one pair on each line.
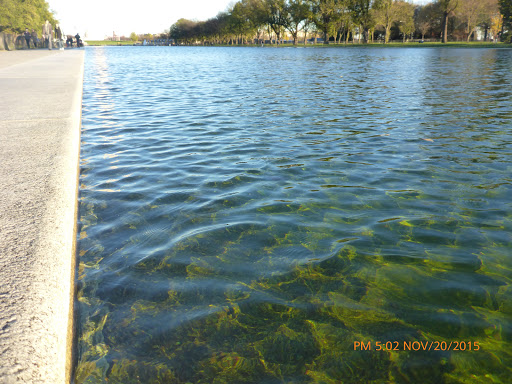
247, 214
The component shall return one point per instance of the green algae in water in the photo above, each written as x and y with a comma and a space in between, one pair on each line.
319, 309
307, 336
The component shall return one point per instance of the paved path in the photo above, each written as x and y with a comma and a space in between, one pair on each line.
8, 58
40, 106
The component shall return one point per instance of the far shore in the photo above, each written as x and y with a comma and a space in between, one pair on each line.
410, 44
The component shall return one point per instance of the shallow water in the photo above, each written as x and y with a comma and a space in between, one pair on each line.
248, 214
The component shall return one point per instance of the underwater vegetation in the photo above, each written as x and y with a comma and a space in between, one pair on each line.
211, 308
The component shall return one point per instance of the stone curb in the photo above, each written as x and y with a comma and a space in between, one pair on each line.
40, 114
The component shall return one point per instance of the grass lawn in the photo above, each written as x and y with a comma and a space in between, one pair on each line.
473, 44
410, 44
104, 42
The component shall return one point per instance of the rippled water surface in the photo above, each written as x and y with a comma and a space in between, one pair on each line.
247, 215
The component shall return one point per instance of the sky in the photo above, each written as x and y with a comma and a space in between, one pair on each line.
95, 19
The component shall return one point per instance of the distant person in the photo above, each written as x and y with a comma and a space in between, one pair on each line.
27, 37
78, 41
47, 34
34, 37
58, 35
69, 41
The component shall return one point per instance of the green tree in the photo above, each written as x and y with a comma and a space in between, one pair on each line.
134, 37
217, 28
16, 15
386, 14
251, 16
297, 13
506, 12
447, 7
406, 18
242, 20
182, 31
308, 25
257, 16
275, 15
328, 16
363, 16
212, 29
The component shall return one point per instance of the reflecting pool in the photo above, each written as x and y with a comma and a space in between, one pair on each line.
257, 215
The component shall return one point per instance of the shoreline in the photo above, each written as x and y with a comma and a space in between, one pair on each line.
411, 44
40, 117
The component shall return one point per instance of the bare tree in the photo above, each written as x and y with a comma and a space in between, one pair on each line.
470, 12
426, 18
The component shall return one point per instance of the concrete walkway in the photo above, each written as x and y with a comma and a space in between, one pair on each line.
40, 106
8, 58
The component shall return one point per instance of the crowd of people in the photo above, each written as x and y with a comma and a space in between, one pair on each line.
51, 37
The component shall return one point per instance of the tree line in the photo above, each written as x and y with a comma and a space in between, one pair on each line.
340, 21
16, 15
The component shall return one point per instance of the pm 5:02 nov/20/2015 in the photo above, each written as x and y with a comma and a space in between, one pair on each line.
416, 346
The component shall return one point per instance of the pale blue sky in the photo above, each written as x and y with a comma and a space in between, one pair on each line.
95, 19
100, 18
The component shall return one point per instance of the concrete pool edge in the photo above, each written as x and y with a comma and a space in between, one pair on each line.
40, 121
72, 315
